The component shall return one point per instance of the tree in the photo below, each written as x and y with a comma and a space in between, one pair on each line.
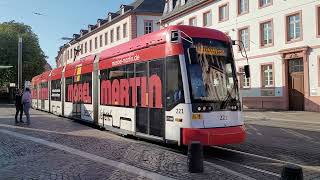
33, 58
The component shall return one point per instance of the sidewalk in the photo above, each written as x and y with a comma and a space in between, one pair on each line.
288, 119
58, 148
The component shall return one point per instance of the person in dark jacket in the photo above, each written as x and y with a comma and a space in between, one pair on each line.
19, 106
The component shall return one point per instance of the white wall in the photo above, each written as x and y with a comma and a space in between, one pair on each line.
102, 32
277, 11
140, 23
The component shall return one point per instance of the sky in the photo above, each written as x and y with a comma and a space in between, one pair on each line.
61, 18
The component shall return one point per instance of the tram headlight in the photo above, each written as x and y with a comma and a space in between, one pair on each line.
233, 107
199, 108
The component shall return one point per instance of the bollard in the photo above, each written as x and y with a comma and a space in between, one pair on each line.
291, 172
195, 157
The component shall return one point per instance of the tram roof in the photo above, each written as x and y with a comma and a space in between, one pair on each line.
86, 65
44, 76
159, 37
56, 73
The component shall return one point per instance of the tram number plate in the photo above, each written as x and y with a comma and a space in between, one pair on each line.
179, 111
223, 117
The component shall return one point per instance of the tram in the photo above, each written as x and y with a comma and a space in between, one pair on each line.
176, 85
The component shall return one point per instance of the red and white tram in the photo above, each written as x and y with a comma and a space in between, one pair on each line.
176, 85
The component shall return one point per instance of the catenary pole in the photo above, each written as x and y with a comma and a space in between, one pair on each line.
20, 63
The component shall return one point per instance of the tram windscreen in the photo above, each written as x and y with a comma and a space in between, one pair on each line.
211, 71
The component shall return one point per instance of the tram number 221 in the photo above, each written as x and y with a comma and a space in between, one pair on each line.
179, 111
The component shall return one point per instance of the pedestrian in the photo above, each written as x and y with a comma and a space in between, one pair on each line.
19, 106
26, 100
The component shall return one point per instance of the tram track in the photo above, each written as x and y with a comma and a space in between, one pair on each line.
222, 160
252, 165
241, 162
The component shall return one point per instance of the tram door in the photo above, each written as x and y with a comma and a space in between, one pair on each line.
76, 110
149, 117
42, 86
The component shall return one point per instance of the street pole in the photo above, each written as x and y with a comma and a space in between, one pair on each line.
20, 63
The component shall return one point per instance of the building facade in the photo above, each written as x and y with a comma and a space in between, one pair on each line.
281, 39
129, 22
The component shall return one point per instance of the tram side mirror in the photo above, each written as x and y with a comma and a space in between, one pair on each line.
247, 71
192, 53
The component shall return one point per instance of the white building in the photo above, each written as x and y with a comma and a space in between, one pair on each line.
129, 22
282, 42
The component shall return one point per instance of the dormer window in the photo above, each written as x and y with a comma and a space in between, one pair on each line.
75, 36
90, 28
109, 17
83, 32
122, 9
99, 22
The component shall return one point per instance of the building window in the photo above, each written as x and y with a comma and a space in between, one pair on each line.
68, 54
243, 6
207, 19
95, 42
318, 21
85, 47
267, 75
105, 38
100, 40
319, 72
244, 81
118, 33
266, 33
294, 27
264, 3
224, 12
148, 26
81, 48
125, 30
244, 37
71, 53
111, 36
193, 21
90, 45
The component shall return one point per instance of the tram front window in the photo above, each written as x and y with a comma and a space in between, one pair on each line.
212, 74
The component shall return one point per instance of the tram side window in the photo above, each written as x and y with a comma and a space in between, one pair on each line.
44, 91
56, 90
68, 94
86, 81
121, 91
174, 86
142, 72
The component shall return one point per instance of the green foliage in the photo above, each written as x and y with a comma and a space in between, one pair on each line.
33, 58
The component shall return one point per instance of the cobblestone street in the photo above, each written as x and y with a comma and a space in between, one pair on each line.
59, 148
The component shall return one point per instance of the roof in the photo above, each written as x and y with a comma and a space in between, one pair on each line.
178, 8
153, 6
138, 6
